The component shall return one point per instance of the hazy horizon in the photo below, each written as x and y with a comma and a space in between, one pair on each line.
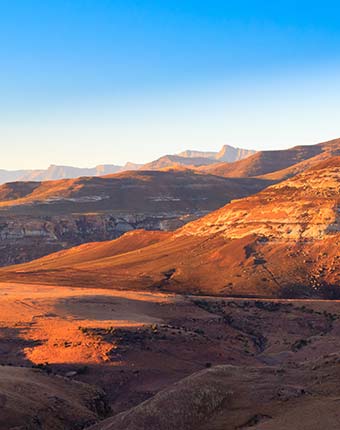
84, 83
144, 161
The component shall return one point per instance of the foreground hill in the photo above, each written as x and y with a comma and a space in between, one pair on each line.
30, 399
231, 397
37, 218
254, 363
283, 241
277, 165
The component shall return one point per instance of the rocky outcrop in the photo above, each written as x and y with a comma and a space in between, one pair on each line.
23, 238
304, 207
37, 218
189, 153
229, 154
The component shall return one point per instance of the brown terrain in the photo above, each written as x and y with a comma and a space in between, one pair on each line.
37, 218
158, 361
32, 399
281, 242
223, 324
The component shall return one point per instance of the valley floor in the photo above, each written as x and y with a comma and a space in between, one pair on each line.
133, 345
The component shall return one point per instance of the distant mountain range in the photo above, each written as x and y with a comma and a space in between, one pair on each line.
54, 172
187, 158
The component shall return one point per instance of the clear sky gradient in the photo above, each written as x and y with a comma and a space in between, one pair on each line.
85, 82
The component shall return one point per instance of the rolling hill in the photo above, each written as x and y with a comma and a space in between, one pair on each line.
30, 399
281, 242
144, 191
234, 397
37, 218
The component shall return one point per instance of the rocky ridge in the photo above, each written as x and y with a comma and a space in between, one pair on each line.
37, 218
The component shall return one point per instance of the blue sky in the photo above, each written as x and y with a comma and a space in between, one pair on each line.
84, 82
